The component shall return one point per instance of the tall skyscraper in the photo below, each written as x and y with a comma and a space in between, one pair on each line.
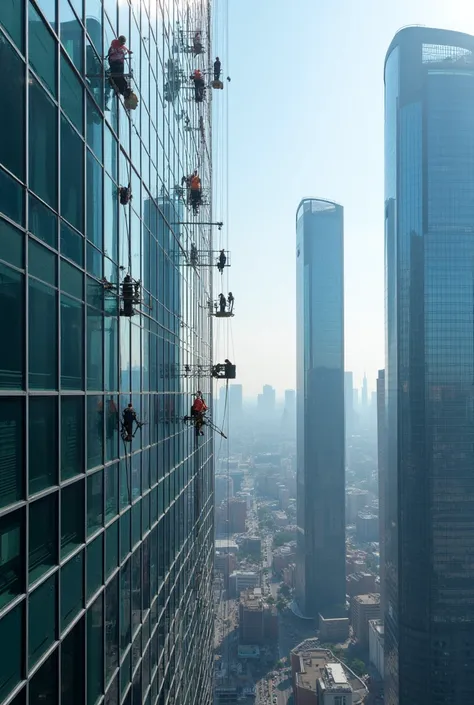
106, 545
321, 586
364, 397
235, 403
382, 471
266, 401
429, 230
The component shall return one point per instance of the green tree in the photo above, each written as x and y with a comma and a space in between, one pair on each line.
358, 667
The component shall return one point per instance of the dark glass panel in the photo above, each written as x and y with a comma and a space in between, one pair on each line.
12, 120
44, 684
72, 589
72, 245
125, 606
12, 636
42, 49
95, 230
43, 223
95, 565
111, 354
11, 19
42, 263
72, 343
42, 627
112, 425
43, 536
11, 198
43, 140
111, 491
12, 303
72, 436
95, 651
73, 666
125, 538
12, 451
72, 180
95, 431
94, 266
95, 502
12, 582
43, 439
72, 517
95, 350
112, 633
94, 130
12, 244
43, 335
72, 280
111, 548
72, 95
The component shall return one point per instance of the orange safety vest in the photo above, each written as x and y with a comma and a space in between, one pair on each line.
195, 183
199, 406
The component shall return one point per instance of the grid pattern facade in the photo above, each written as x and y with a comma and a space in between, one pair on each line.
105, 549
321, 570
429, 529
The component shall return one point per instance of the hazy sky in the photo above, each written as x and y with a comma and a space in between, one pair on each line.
306, 120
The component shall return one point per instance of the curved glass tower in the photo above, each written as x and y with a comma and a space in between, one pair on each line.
429, 232
106, 547
321, 586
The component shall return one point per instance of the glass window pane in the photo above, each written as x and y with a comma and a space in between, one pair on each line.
94, 201
41, 619
12, 634
112, 632
43, 334
12, 302
11, 198
12, 243
94, 265
111, 548
111, 491
111, 219
94, 129
125, 605
42, 49
95, 352
12, 550
43, 140
72, 244
95, 431
95, 502
12, 150
72, 517
95, 651
72, 436
42, 263
71, 35
72, 95
12, 451
73, 666
72, 180
43, 439
42, 222
111, 153
11, 19
112, 425
72, 589
72, 343
43, 536
95, 565
72, 280
94, 22
44, 684
111, 354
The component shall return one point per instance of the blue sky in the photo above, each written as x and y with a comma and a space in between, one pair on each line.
306, 120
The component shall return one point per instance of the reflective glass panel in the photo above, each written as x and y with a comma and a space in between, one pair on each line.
72, 343
11, 564
12, 451
12, 121
72, 180
43, 440
95, 651
43, 332
73, 666
43, 536
42, 49
44, 684
11, 19
42, 626
72, 517
43, 140
72, 589
72, 436
12, 356
95, 501
11, 663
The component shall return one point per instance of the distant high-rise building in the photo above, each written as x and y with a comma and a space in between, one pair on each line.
382, 464
429, 245
364, 397
266, 400
320, 580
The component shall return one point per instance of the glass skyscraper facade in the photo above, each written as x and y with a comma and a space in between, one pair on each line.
106, 548
429, 393
321, 557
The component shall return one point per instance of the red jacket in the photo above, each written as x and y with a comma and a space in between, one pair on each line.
199, 405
